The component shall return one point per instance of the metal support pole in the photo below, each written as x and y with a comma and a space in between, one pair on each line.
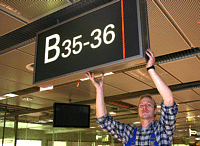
4, 125
15, 130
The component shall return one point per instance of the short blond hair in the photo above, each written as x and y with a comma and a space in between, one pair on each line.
150, 97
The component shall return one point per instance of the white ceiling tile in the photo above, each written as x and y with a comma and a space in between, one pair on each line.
16, 75
30, 48
17, 59
180, 115
3, 91
187, 95
134, 101
177, 10
110, 91
12, 85
143, 75
197, 90
186, 70
184, 107
164, 38
195, 105
125, 83
9, 23
51, 96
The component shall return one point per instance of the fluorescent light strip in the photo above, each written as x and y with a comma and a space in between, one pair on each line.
46, 88
85, 79
11, 95
106, 74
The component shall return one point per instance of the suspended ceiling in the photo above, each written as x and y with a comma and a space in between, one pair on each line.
173, 27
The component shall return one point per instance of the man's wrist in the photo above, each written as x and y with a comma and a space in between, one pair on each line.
151, 67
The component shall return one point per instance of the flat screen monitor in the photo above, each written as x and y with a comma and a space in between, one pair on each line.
71, 115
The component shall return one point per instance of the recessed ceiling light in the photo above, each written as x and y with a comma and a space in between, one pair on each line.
180, 130
30, 66
27, 98
11, 95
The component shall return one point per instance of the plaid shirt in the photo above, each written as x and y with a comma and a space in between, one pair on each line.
164, 129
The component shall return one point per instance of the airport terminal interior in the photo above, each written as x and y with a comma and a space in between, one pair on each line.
27, 112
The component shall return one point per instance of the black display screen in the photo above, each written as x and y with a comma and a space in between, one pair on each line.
71, 115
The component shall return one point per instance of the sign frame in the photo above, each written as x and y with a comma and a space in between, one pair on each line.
144, 43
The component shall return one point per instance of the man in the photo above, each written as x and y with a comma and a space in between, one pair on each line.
149, 132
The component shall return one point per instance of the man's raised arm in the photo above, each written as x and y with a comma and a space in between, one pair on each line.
162, 88
100, 103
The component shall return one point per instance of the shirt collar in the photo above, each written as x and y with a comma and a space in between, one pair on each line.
150, 126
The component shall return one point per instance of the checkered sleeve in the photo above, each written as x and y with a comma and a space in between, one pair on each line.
122, 132
168, 118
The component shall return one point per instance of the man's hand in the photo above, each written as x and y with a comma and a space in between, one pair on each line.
163, 89
98, 83
100, 104
151, 58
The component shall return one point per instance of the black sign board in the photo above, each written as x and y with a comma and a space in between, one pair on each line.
115, 32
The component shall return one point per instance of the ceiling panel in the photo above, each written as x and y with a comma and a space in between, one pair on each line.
17, 59
134, 101
23, 103
184, 107
158, 98
195, 105
125, 83
3, 91
74, 93
164, 38
187, 95
8, 23
36, 100
197, 90
110, 91
33, 9
52, 96
180, 115
30, 48
12, 85
178, 9
16, 75
186, 70
143, 75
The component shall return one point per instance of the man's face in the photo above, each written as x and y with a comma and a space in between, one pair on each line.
146, 108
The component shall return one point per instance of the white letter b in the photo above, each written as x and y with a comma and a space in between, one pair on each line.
48, 48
